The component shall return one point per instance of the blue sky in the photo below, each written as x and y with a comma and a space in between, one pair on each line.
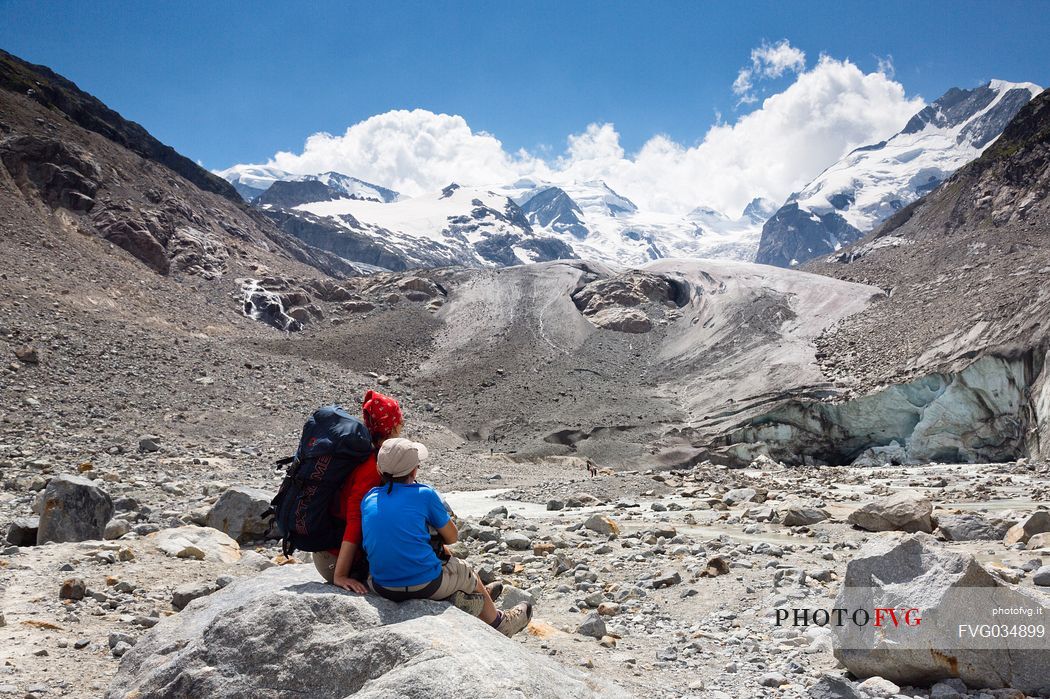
414, 95
226, 82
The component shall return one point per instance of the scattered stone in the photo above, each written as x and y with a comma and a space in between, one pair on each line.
149, 444
72, 508
1039, 541
593, 625
951, 688
971, 527
802, 516
239, 513
187, 592
879, 687
116, 529
772, 679
553, 505
740, 495
543, 548
1035, 523
832, 687
667, 579
513, 596
716, 565
602, 525
27, 354
201, 543
120, 649
73, 589
517, 541
904, 511
1042, 577
117, 637
23, 531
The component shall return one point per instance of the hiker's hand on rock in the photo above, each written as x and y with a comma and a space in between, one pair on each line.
351, 584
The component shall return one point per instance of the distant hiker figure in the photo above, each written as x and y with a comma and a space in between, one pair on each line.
403, 563
592, 468
347, 565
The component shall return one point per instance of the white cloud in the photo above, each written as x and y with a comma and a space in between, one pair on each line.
886, 65
767, 61
409, 151
772, 151
772, 60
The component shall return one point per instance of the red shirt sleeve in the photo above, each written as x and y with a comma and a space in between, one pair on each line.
364, 478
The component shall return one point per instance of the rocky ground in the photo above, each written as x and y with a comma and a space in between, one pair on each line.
665, 583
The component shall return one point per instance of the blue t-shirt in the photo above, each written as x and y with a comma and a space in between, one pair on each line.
395, 535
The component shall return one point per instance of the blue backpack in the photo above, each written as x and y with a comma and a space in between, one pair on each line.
332, 445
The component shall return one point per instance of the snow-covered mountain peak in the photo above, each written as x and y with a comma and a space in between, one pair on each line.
252, 180
869, 184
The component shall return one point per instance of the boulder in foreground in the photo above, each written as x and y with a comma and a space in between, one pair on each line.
951, 593
282, 633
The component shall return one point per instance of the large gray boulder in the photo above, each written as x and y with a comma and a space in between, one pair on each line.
282, 634
951, 593
72, 508
971, 527
239, 513
1036, 523
905, 511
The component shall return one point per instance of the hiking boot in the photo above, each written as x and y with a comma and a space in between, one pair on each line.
515, 619
495, 590
471, 603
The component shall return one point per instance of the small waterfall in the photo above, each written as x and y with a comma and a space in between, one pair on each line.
266, 306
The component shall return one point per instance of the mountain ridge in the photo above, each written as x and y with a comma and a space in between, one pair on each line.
855, 194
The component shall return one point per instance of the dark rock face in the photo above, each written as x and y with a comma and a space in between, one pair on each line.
73, 509
793, 236
953, 108
553, 208
499, 249
55, 92
321, 233
63, 176
957, 106
288, 195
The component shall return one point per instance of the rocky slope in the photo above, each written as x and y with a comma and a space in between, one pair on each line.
55, 93
963, 269
70, 163
854, 195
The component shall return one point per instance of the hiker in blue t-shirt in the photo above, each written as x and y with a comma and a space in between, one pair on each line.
396, 519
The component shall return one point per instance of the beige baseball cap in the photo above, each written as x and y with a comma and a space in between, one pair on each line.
398, 456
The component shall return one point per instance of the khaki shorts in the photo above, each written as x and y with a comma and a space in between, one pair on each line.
456, 576
325, 564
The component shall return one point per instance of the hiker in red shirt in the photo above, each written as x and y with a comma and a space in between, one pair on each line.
347, 566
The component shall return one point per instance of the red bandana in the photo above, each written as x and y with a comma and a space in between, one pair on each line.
382, 414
